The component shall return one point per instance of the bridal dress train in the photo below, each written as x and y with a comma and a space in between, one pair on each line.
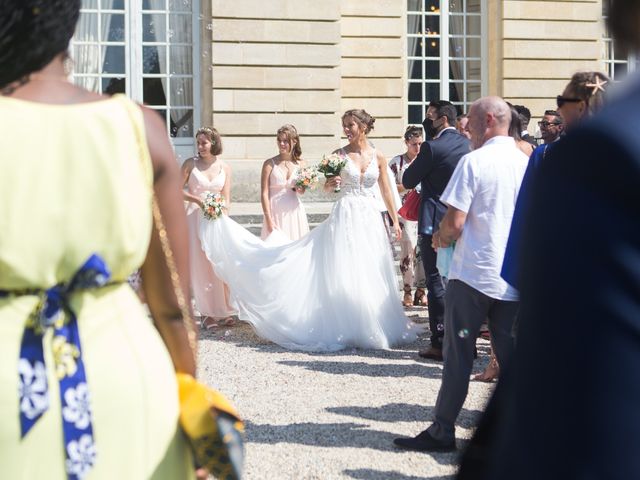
332, 289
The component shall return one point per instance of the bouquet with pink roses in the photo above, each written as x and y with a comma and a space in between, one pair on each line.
331, 165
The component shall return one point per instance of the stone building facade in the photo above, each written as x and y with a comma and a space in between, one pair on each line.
255, 65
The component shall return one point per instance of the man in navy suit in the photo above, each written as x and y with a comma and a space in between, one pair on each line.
568, 405
432, 169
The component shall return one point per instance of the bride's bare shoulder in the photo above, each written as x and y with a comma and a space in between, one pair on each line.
341, 151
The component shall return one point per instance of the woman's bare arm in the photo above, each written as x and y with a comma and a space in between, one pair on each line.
387, 196
186, 169
267, 167
156, 276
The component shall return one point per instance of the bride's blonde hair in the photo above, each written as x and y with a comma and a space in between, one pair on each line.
362, 117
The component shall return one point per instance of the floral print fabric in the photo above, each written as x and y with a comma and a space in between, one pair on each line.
53, 312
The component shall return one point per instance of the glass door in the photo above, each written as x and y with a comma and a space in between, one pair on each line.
147, 50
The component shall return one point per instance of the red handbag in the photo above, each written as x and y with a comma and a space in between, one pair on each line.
410, 206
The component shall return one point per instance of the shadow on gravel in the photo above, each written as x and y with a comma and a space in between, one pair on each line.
400, 412
334, 435
243, 335
392, 370
337, 435
369, 474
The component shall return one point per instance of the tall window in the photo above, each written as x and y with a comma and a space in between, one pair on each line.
617, 65
144, 49
444, 53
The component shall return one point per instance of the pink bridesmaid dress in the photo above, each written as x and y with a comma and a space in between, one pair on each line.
287, 210
210, 293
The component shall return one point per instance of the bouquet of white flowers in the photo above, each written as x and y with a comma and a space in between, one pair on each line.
331, 165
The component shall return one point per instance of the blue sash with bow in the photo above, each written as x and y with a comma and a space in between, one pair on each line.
54, 312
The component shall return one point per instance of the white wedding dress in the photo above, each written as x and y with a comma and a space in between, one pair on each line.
332, 289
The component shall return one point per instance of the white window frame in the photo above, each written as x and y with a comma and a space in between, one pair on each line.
134, 62
444, 36
609, 55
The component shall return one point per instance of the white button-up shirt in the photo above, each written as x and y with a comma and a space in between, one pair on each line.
485, 186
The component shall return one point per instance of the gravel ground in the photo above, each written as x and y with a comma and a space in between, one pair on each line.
334, 415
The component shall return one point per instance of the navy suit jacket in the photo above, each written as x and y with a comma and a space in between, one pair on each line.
432, 169
568, 406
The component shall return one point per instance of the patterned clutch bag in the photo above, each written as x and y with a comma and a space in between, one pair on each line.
213, 428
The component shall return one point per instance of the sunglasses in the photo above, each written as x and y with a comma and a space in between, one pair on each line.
560, 100
546, 124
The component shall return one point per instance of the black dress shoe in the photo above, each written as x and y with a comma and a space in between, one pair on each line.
431, 353
424, 442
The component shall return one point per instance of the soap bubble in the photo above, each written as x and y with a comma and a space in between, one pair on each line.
464, 333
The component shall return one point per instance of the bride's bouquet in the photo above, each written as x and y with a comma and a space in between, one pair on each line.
213, 206
306, 178
331, 165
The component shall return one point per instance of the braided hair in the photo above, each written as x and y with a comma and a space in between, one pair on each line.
412, 132
362, 117
32, 34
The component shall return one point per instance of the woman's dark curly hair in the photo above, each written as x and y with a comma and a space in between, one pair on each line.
32, 33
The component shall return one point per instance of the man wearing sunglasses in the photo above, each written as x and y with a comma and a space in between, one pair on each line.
551, 126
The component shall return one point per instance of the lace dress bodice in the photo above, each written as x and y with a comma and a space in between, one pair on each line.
355, 183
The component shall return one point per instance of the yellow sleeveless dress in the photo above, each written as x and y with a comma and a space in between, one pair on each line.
72, 184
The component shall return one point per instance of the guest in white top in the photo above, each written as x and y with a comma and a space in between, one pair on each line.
481, 199
411, 265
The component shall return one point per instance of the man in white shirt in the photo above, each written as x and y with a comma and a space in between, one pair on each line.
481, 198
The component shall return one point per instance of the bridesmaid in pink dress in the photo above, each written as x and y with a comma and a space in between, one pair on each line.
281, 206
202, 174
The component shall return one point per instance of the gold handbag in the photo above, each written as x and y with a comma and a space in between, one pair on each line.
213, 428
211, 424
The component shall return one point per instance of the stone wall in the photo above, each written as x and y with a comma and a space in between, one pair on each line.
274, 62
374, 67
303, 62
543, 44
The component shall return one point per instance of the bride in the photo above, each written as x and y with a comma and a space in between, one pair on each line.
333, 288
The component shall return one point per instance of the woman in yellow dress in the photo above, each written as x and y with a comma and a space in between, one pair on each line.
88, 380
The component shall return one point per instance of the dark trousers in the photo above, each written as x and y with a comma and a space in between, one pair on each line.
435, 287
467, 308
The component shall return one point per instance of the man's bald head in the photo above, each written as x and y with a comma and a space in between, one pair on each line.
488, 117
